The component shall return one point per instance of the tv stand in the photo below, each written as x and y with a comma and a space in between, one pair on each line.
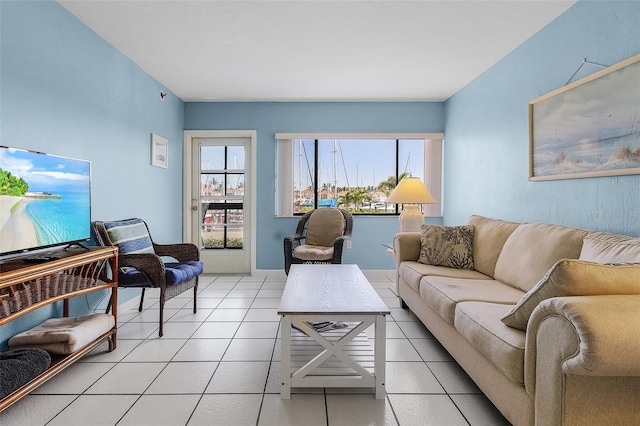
26, 287
40, 258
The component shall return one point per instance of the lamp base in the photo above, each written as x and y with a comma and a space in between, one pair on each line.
411, 219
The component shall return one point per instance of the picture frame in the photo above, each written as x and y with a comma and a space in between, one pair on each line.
589, 128
159, 151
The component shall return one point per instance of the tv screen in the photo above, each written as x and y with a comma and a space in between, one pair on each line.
45, 200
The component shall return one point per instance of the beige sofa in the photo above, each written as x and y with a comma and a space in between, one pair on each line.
571, 354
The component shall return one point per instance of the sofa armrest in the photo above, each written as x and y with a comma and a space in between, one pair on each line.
579, 341
406, 246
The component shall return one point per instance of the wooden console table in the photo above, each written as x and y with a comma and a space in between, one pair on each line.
26, 286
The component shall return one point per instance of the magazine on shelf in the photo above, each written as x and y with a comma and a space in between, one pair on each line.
320, 326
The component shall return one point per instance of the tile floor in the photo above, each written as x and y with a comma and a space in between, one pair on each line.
222, 366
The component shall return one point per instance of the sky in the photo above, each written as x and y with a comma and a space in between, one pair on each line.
46, 173
367, 162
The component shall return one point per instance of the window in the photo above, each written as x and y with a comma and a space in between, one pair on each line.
221, 195
355, 172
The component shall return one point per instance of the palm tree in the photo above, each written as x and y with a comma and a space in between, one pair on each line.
390, 183
354, 198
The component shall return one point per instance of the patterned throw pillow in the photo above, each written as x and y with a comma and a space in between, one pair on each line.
131, 236
447, 246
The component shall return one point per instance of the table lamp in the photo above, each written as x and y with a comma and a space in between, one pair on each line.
410, 192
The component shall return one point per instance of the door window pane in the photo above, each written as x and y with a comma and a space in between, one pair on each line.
221, 196
212, 157
235, 184
211, 184
235, 158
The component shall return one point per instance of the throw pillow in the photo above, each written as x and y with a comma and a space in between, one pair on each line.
571, 277
447, 246
130, 236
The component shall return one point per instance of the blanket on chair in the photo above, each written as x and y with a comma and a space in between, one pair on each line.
63, 335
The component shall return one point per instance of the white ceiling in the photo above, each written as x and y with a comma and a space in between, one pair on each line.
315, 50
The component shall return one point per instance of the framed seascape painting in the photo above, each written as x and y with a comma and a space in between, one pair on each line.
588, 128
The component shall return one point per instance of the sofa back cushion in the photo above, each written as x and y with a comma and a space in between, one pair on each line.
488, 239
532, 249
601, 247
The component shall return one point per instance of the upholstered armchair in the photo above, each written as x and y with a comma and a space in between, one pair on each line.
140, 263
319, 237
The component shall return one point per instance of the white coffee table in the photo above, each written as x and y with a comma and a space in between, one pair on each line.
336, 358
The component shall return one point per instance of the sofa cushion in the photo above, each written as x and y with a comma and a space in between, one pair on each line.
489, 236
412, 272
610, 248
570, 277
479, 323
450, 246
532, 249
443, 293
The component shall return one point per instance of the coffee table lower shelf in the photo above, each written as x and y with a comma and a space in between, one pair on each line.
342, 358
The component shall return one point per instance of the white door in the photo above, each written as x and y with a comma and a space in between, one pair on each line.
220, 207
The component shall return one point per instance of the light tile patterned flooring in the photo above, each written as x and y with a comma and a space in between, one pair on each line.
222, 367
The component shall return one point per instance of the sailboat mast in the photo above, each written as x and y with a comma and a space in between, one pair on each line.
407, 165
335, 169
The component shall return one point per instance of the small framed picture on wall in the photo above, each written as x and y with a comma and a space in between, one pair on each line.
159, 151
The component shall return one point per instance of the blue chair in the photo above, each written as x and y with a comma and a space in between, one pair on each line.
173, 268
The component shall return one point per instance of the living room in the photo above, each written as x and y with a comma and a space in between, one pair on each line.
66, 91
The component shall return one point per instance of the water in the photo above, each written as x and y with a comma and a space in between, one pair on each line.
61, 220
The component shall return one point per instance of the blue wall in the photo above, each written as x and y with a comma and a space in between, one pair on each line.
270, 118
65, 91
486, 135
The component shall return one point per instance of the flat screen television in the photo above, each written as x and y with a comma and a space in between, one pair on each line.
45, 201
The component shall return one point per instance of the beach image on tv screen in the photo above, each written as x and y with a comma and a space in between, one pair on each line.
45, 200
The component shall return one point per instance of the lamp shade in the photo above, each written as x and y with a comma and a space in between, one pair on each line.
410, 190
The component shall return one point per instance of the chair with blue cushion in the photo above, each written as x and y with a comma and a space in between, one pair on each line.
173, 268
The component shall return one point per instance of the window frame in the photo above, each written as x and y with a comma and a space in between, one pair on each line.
433, 150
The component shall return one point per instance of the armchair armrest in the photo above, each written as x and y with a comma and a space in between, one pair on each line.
292, 241
582, 352
148, 263
338, 245
181, 251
